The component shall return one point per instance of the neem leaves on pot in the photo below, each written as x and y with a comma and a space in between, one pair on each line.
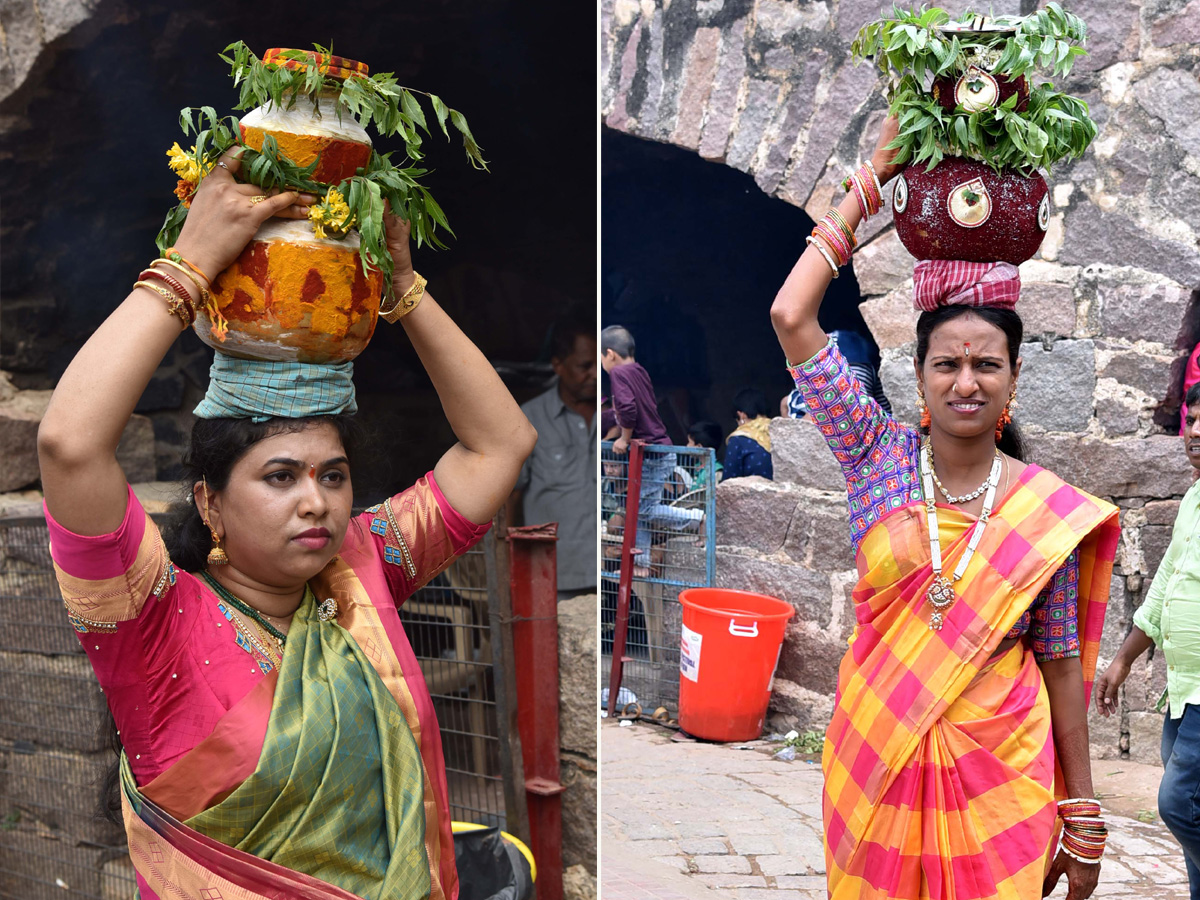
960, 88
973, 129
310, 291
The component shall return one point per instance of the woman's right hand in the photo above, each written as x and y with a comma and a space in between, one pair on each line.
222, 220
1108, 684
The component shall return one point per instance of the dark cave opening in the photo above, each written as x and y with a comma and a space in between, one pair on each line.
692, 255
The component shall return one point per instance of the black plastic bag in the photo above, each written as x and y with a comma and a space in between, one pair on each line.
490, 868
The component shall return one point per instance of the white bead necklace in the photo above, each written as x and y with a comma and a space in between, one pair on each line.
941, 593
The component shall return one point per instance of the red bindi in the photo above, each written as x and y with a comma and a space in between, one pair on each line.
967, 348
312, 472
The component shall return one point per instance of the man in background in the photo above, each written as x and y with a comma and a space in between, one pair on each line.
558, 481
1169, 619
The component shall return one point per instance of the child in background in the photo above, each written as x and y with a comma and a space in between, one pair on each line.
706, 434
637, 416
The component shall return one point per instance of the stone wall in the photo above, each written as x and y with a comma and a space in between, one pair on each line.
577, 720
767, 87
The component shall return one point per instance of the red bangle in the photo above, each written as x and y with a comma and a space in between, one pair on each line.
175, 285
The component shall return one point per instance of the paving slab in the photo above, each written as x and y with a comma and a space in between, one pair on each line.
689, 820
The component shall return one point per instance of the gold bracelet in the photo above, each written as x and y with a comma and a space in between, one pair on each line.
825, 253
175, 305
406, 302
205, 297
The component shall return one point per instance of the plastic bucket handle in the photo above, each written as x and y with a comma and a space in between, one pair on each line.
749, 631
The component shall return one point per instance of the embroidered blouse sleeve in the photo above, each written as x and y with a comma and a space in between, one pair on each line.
107, 579
850, 419
418, 534
1054, 625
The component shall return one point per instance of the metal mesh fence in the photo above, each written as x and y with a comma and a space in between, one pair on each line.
55, 843
448, 627
674, 548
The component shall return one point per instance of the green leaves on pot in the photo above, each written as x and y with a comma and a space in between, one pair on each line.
364, 193
395, 110
1054, 126
911, 51
379, 98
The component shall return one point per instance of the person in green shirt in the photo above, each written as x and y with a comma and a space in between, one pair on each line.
1170, 619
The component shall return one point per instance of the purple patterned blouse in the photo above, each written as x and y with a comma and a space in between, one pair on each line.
880, 459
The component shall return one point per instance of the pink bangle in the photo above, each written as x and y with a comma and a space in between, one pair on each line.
836, 242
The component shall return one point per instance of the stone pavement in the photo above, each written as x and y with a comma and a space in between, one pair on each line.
680, 818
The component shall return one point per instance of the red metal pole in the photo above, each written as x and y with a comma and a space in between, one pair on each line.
633, 492
534, 581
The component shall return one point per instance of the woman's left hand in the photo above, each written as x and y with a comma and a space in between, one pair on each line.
1081, 877
397, 231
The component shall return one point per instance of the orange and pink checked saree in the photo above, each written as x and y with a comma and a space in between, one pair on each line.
939, 761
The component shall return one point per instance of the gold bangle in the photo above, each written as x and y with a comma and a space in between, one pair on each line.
175, 305
406, 302
205, 297
825, 253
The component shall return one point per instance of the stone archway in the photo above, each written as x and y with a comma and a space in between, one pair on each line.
767, 87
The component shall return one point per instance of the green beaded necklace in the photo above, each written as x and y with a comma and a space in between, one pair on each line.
244, 608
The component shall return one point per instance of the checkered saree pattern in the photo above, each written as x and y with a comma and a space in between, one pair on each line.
939, 767
879, 458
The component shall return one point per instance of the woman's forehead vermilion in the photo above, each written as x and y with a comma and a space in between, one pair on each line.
953, 337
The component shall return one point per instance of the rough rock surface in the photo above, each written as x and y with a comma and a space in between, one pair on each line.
577, 716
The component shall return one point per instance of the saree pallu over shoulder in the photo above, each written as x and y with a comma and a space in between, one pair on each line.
340, 790
938, 762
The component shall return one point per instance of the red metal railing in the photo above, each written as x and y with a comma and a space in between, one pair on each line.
534, 585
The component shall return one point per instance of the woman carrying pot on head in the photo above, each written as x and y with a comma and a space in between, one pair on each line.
278, 738
959, 743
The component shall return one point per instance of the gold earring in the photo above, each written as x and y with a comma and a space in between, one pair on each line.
926, 420
216, 556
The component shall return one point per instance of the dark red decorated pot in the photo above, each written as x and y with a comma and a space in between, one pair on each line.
977, 89
964, 210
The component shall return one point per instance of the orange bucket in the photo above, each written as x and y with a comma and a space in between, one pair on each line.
727, 657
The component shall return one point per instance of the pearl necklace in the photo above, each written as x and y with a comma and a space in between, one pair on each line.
941, 592
965, 498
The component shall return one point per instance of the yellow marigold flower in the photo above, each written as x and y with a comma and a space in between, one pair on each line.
184, 166
331, 217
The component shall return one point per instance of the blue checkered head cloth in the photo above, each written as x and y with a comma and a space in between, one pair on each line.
261, 389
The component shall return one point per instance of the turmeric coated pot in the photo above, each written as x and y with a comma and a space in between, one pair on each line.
292, 295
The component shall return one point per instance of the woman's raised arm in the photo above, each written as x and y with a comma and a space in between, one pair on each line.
494, 438
794, 312
77, 442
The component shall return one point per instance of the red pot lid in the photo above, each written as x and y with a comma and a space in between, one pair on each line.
337, 67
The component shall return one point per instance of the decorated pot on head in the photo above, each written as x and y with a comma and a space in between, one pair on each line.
962, 209
976, 137
299, 293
